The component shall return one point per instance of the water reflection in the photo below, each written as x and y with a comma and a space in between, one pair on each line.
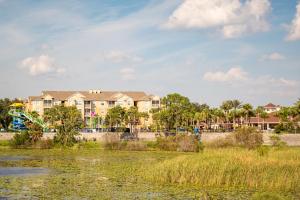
22, 171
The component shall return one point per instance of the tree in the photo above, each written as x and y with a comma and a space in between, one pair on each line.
264, 116
261, 114
174, 113
226, 107
133, 116
67, 121
115, 116
247, 111
236, 104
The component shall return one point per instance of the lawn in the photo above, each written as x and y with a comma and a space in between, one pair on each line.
94, 173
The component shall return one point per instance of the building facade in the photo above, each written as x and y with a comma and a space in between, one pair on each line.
94, 102
269, 122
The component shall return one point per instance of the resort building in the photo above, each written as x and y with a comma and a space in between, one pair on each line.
94, 102
267, 123
270, 121
271, 108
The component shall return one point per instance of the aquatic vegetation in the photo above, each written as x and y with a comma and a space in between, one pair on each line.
232, 168
94, 173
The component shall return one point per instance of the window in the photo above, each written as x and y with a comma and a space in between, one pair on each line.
111, 103
77, 102
155, 103
47, 103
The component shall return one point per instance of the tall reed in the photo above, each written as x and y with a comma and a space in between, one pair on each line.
232, 168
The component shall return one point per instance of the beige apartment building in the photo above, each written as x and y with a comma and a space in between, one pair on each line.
94, 102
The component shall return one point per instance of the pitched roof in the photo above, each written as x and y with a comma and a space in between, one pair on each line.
102, 96
270, 105
272, 118
34, 98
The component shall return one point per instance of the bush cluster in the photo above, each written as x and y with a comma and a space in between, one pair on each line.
247, 137
113, 142
289, 127
27, 140
182, 142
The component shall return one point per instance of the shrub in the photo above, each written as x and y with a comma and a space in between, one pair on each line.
248, 137
228, 141
135, 146
167, 143
89, 145
183, 143
188, 143
45, 144
263, 150
20, 140
113, 142
152, 144
279, 128
277, 142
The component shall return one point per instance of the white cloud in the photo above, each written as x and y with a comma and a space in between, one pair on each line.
294, 28
119, 56
127, 74
233, 74
41, 65
273, 56
232, 17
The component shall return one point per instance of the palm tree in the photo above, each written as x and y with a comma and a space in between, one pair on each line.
226, 107
236, 104
247, 111
217, 115
264, 116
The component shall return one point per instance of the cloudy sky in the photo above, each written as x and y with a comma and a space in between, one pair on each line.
208, 50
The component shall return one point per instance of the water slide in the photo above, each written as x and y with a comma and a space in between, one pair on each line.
19, 116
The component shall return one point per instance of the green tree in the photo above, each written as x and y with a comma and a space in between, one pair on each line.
175, 111
261, 114
133, 117
226, 107
236, 104
264, 116
115, 117
67, 121
247, 112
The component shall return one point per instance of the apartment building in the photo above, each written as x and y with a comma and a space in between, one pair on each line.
94, 102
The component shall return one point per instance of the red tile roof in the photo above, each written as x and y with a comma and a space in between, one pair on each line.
272, 119
270, 105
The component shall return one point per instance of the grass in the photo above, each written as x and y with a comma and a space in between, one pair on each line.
232, 168
93, 173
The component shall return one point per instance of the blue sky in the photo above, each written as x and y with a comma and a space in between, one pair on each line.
208, 50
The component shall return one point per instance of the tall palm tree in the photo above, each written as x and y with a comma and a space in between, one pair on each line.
247, 111
236, 104
226, 107
264, 116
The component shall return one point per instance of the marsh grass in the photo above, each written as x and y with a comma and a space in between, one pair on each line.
92, 173
231, 168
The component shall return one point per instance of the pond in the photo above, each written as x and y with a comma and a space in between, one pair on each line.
93, 174
22, 171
